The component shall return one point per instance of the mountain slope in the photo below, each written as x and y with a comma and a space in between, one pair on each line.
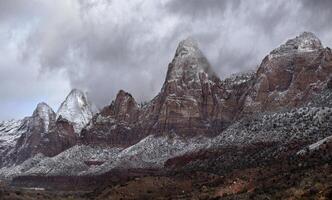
245, 120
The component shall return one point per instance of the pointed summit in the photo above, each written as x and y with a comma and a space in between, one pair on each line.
46, 114
187, 47
189, 68
77, 109
42, 109
305, 42
124, 108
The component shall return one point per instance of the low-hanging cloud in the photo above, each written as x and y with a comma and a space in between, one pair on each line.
107, 45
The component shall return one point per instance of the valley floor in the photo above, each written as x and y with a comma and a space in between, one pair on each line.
299, 180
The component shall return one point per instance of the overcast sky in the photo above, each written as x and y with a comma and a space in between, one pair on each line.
101, 46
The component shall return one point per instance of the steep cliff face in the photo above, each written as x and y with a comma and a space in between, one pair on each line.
191, 99
123, 109
194, 103
34, 130
115, 125
290, 75
41, 133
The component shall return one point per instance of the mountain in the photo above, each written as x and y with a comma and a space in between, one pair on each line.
115, 125
190, 99
196, 122
33, 129
48, 133
77, 109
290, 75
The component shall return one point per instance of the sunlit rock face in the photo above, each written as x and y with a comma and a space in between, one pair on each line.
192, 99
290, 75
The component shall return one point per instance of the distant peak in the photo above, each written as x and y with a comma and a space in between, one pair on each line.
305, 42
77, 109
123, 93
76, 91
46, 113
308, 40
307, 34
188, 46
189, 41
43, 105
42, 108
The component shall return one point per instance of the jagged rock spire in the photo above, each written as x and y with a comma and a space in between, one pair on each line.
124, 108
46, 114
77, 109
189, 68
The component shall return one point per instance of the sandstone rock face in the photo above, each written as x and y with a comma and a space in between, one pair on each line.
192, 102
41, 133
123, 109
115, 125
290, 75
35, 128
192, 99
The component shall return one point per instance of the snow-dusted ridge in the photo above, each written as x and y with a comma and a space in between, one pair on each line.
153, 151
9, 133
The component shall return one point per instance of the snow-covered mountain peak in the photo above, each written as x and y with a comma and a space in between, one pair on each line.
188, 47
43, 110
77, 109
305, 42
45, 113
189, 67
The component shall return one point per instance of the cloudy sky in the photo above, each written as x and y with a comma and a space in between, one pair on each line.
100, 46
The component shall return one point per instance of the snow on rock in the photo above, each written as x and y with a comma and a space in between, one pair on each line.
70, 162
306, 123
46, 114
9, 133
9, 172
305, 42
316, 145
189, 64
77, 109
152, 152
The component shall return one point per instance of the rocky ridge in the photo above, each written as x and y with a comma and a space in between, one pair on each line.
285, 101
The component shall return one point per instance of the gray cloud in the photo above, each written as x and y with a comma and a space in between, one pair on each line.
104, 46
